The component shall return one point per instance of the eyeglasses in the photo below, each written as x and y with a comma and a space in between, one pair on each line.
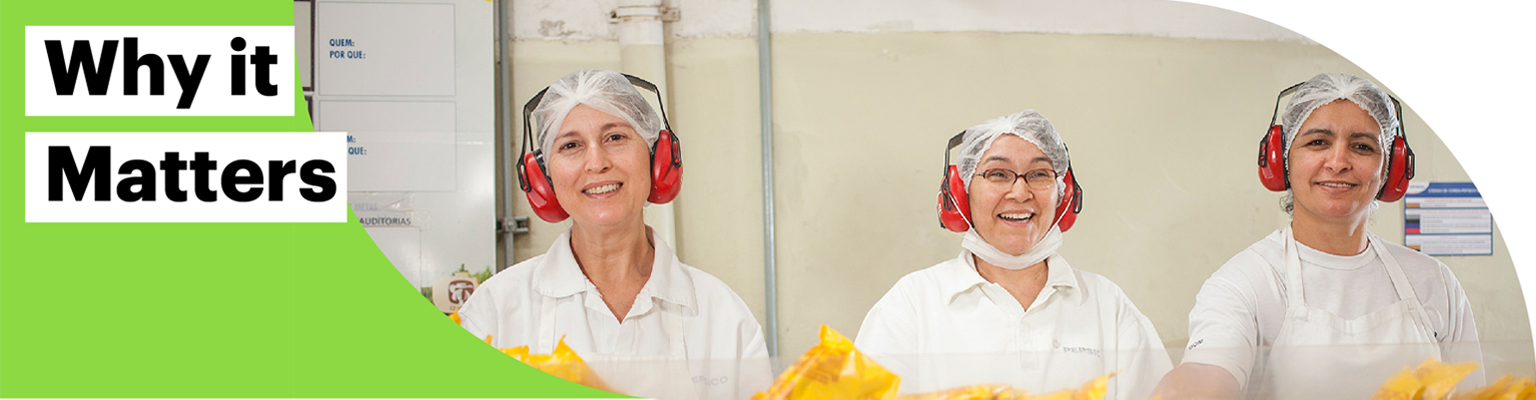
1035, 178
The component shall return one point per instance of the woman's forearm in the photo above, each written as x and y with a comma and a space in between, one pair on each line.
1197, 381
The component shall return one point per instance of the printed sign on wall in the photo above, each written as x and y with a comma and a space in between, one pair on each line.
1447, 219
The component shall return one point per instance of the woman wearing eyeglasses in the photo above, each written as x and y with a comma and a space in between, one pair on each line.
1009, 309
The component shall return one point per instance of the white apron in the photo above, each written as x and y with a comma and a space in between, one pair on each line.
1318, 355
660, 377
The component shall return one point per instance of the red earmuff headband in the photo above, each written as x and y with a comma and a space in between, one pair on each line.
1275, 177
955, 204
533, 176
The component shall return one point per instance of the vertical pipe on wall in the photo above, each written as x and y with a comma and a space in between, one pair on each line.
504, 95
643, 53
765, 109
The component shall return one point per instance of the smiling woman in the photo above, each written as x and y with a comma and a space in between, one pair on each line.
1283, 317
1335, 164
1009, 292
610, 288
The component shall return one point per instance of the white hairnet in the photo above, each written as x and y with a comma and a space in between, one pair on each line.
606, 91
1028, 125
1327, 88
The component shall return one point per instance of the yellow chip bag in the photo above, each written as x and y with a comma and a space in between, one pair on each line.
1506, 388
1526, 388
1093, 390
1440, 378
562, 363
833, 370
974, 392
1401, 386
1494, 390
1431, 380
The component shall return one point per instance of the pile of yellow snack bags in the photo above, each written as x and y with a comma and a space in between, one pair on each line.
1093, 390
833, 370
836, 370
1434, 380
563, 363
1506, 388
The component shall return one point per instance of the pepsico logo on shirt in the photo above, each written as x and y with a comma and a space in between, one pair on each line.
1056, 344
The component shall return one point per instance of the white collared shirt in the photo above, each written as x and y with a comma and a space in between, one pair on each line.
945, 327
715, 323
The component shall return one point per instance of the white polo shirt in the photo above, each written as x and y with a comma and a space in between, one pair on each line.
945, 327
537, 301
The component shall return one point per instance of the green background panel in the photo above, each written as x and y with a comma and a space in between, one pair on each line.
211, 310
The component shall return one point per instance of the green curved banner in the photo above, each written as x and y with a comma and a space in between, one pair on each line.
211, 309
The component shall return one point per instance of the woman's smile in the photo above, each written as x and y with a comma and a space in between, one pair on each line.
1017, 218
602, 190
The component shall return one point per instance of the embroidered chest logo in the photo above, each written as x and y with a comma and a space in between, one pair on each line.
1056, 344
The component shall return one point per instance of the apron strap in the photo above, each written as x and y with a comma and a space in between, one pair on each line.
1400, 282
1293, 292
1395, 271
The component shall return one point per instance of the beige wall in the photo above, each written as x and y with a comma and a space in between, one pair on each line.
720, 212
1163, 133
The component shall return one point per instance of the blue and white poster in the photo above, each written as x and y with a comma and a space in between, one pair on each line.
1447, 219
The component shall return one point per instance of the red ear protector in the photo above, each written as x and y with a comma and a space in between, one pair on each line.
1275, 177
666, 176
955, 203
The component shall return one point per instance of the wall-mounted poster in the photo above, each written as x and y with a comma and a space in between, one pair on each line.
1447, 219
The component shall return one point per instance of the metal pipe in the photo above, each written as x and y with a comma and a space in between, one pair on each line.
765, 110
643, 53
504, 94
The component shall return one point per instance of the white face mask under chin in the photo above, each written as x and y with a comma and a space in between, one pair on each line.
1041, 250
